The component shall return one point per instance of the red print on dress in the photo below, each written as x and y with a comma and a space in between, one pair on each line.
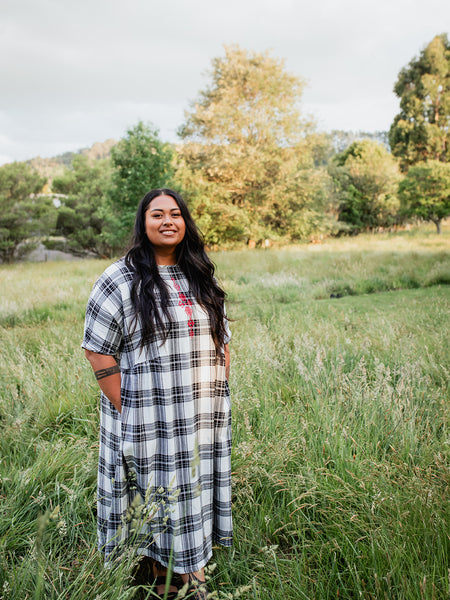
183, 301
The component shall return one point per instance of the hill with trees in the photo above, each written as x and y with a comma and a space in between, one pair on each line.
56, 165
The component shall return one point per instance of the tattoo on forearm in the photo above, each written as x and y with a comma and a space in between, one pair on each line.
102, 373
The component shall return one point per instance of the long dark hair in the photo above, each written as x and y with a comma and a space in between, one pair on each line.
191, 258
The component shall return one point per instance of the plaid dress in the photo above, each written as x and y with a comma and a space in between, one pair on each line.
164, 476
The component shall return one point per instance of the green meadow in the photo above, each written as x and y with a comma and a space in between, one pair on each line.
341, 446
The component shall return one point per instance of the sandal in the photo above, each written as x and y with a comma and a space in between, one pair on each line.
144, 575
197, 587
162, 580
143, 571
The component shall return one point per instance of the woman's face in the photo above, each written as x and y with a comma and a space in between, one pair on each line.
164, 225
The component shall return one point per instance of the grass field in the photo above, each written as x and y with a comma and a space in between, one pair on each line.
341, 446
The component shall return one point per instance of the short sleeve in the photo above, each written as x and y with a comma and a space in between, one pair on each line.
103, 328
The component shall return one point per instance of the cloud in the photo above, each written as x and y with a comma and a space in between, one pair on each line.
80, 72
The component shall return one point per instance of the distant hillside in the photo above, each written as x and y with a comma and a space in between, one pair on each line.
341, 140
99, 150
55, 166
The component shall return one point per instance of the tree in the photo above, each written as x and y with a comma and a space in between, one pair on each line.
366, 177
141, 162
421, 129
20, 210
80, 218
425, 192
247, 148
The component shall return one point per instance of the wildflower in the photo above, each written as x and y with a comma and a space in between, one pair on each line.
6, 588
62, 527
174, 495
195, 460
240, 591
209, 569
25, 477
39, 498
183, 591
71, 494
269, 549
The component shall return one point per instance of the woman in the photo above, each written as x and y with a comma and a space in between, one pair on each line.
157, 338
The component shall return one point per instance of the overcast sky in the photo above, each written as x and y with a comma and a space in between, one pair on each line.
76, 72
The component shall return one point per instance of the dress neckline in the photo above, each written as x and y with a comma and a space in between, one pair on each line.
168, 268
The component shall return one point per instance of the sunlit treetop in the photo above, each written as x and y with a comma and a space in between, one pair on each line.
421, 129
251, 98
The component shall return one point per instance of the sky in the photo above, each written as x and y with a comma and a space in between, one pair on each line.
74, 73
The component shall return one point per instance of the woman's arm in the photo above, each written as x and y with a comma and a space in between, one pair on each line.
107, 373
226, 350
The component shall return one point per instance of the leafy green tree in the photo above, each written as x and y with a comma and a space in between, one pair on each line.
248, 149
425, 192
218, 221
21, 211
141, 162
421, 129
80, 218
366, 180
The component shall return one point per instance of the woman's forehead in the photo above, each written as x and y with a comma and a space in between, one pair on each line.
162, 203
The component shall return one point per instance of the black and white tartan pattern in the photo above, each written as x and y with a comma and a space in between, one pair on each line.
164, 464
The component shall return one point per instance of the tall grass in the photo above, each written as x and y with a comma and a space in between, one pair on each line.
340, 434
